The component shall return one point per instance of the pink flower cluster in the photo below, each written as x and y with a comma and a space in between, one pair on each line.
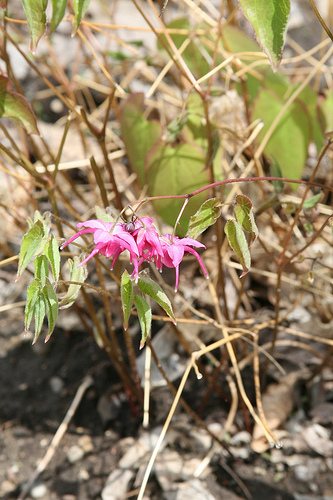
142, 241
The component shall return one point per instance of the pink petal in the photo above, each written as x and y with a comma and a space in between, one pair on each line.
177, 278
191, 242
197, 256
102, 236
94, 252
76, 235
175, 253
96, 224
128, 242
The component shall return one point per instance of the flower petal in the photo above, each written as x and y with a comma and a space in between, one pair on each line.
76, 235
94, 252
191, 242
197, 256
96, 224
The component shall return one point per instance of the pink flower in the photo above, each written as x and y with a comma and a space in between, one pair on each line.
173, 253
110, 239
142, 241
147, 239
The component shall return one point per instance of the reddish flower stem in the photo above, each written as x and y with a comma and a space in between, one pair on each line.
232, 181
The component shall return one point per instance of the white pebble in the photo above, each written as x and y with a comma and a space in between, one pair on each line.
74, 454
38, 491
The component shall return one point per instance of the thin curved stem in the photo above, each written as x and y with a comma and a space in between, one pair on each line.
321, 20
230, 181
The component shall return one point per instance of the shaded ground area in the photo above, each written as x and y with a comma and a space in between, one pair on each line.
38, 384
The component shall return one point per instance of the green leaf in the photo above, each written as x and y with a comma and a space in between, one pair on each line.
174, 170
52, 307
144, 315
176, 126
104, 216
41, 268
118, 56
275, 171
30, 243
269, 19
51, 250
45, 219
326, 107
77, 274
195, 55
36, 17
290, 140
206, 216
16, 107
238, 243
58, 12
309, 98
244, 214
312, 202
237, 41
35, 306
126, 291
80, 8
195, 128
138, 134
149, 287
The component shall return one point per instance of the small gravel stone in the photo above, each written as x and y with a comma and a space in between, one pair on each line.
57, 384
301, 472
307, 472
7, 487
74, 454
83, 475
240, 452
86, 444
242, 437
190, 490
144, 445
116, 485
38, 491
44, 442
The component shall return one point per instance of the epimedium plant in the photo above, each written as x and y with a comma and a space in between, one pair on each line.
144, 245
112, 237
176, 163
181, 159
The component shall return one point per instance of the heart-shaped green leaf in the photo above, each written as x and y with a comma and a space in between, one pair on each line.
138, 134
51, 250
144, 315
269, 19
194, 54
35, 307
16, 107
41, 268
52, 307
36, 17
77, 274
176, 170
206, 216
80, 8
238, 243
151, 288
126, 292
244, 214
289, 142
58, 12
30, 243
